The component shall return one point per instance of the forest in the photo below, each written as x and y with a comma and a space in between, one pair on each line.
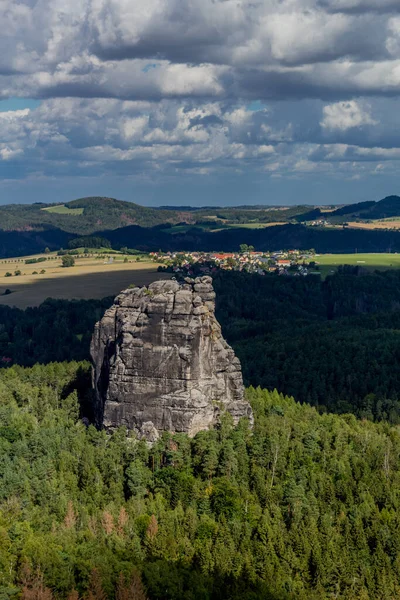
29, 229
334, 344
196, 238
303, 507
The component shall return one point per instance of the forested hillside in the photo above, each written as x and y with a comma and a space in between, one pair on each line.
333, 344
323, 240
385, 208
27, 229
271, 238
88, 215
305, 507
83, 216
58, 330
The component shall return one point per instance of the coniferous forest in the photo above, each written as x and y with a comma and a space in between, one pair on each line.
304, 506
334, 344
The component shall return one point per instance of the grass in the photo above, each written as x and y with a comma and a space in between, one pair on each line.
390, 223
329, 262
214, 226
255, 225
61, 209
89, 278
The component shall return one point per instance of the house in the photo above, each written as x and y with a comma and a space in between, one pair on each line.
222, 256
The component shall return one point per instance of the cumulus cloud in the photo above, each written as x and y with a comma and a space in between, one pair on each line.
345, 115
163, 86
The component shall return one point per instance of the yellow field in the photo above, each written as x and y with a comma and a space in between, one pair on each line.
89, 278
382, 224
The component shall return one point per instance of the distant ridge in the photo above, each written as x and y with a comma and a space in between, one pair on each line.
97, 213
30, 228
383, 209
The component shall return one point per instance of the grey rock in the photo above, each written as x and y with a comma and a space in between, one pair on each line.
160, 362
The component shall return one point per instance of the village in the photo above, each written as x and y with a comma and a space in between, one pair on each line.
284, 262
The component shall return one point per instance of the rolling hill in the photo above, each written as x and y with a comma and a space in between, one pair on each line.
383, 209
84, 216
28, 229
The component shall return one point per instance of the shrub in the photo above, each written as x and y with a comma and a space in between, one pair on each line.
68, 260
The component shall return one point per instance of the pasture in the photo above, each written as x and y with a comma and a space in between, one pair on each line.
61, 209
89, 278
330, 262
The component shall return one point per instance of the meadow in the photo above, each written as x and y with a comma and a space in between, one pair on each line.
61, 209
90, 278
328, 263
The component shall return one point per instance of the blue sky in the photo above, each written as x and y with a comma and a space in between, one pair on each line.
13, 104
208, 102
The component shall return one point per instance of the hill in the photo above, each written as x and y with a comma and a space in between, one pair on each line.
83, 216
267, 238
383, 209
27, 229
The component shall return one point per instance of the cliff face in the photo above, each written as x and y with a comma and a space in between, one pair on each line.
161, 363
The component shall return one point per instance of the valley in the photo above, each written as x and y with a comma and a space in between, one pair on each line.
105, 490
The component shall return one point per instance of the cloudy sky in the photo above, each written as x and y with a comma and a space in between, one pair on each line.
200, 101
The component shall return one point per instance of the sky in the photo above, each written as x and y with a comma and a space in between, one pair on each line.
200, 102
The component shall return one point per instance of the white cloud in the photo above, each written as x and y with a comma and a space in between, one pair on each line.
345, 115
161, 85
7, 153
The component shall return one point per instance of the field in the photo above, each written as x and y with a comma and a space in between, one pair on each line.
219, 226
381, 224
89, 278
255, 225
61, 209
329, 262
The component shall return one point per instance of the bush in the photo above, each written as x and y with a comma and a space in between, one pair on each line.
68, 260
32, 261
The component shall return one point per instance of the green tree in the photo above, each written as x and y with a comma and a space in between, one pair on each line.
67, 260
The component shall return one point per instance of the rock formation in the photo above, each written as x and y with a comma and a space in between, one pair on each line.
160, 362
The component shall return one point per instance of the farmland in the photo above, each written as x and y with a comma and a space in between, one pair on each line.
329, 262
89, 278
391, 223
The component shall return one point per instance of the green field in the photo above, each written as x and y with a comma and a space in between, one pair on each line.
329, 262
254, 225
61, 209
218, 226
